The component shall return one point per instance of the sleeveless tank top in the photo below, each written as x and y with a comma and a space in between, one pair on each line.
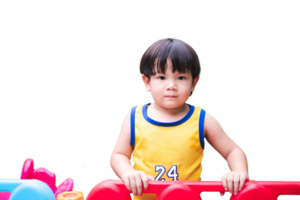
167, 151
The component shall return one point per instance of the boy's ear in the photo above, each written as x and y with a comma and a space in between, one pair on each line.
142, 78
145, 81
195, 82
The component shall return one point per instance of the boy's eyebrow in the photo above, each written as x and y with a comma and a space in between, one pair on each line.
186, 72
160, 73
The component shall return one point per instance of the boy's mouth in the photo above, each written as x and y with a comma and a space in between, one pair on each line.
171, 96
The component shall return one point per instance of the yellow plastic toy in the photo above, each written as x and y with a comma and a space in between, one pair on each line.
73, 195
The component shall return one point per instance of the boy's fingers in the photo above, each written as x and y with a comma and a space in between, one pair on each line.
242, 182
145, 181
133, 186
229, 181
224, 183
221, 194
151, 178
127, 184
236, 184
138, 185
134, 191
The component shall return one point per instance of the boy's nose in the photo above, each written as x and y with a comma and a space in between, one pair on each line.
172, 86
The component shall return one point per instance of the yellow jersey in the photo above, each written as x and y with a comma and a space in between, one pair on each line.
167, 151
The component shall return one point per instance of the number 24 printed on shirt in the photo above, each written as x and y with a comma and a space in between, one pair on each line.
172, 172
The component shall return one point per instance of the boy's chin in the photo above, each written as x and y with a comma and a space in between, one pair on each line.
172, 105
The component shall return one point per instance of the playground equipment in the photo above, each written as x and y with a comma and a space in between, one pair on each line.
28, 172
191, 190
25, 190
73, 195
45, 175
44, 188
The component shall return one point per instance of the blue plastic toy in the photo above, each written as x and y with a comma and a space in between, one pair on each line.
26, 190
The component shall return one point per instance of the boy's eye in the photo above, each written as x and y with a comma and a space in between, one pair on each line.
162, 78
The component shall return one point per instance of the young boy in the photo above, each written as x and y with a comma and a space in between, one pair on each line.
167, 137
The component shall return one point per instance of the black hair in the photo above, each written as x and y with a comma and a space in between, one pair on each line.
183, 58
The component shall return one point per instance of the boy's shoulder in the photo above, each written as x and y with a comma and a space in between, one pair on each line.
197, 106
134, 107
143, 104
140, 105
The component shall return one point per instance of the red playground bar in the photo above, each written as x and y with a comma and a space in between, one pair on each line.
116, 190
191, 190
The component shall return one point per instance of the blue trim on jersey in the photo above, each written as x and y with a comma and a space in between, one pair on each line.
132, 126
167, 124
201, 127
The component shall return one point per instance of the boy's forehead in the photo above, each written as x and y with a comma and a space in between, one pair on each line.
169, 68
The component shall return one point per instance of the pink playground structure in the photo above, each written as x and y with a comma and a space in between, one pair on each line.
46, 176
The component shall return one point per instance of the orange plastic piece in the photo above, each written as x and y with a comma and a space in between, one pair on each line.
73, 195
191, 190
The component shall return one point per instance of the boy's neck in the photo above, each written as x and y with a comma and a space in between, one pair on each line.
163, 114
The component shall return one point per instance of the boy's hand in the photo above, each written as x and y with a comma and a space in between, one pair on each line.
234, 181
133, 181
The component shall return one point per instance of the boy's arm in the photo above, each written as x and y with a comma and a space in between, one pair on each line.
224, 145
221, 142
237, 161
119, 160
119, 164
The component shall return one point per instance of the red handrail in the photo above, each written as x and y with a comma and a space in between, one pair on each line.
191, 190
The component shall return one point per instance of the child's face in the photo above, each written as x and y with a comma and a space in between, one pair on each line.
170, 90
